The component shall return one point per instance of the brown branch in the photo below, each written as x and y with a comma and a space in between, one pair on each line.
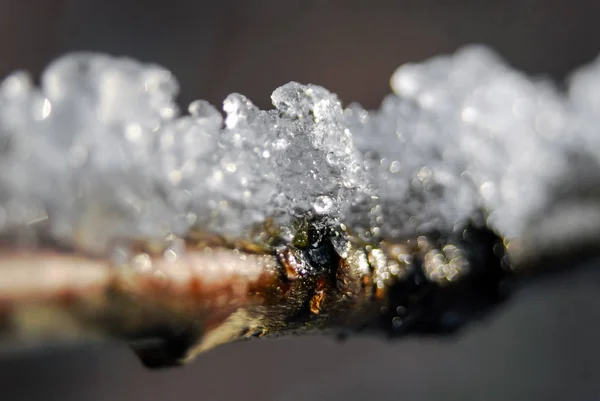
170, 307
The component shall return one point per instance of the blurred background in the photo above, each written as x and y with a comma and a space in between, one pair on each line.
542, 346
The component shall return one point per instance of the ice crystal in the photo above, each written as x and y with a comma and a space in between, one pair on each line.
100, 153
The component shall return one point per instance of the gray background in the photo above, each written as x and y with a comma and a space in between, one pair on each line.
542, 346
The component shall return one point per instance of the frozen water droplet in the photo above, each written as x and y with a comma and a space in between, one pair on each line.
16, 84
323, 205
238, 108
198, 108
160, 81
295, 100
205, 111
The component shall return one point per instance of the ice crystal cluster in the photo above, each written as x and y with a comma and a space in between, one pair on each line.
99, 153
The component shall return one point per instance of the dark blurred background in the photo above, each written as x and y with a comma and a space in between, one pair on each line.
542, 346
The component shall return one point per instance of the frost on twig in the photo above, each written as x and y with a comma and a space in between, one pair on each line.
199, 229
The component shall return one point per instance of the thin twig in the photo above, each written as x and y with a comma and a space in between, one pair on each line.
170, 307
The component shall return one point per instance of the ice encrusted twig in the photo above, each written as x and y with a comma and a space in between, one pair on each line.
362, 218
